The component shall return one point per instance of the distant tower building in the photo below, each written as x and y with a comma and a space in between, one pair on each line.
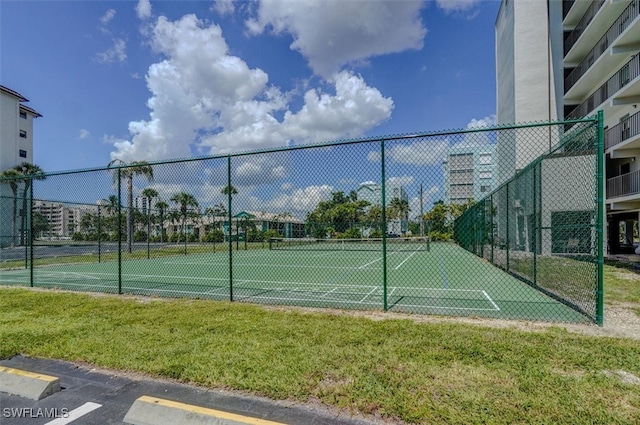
469, 173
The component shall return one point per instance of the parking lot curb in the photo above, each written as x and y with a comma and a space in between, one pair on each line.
34, 386
148, 410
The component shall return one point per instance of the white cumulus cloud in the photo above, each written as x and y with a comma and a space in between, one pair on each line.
108, 16
223, 7
116, 53
83, 133
425, 152
334, 33
299, 201
143, 9
457, 5
205, 99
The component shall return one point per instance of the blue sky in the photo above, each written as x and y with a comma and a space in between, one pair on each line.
140, 80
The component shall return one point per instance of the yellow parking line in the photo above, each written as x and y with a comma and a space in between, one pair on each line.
26, 374
206, 411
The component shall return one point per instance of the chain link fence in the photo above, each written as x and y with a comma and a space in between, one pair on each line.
489, 222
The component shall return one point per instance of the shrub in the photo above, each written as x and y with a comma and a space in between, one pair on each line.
140, 236
215, 235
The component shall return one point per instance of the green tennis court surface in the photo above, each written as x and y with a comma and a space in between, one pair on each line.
444, 280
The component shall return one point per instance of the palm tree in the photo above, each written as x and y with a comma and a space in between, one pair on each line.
174, 216
29, 172
11, 177
217, 210
149, 193
128, 171
399, 209
185, 200
112, 204
162, 207
225, 190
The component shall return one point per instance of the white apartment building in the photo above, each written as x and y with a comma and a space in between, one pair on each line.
469, 173
16, 129
570, 59
63, 219
16, 146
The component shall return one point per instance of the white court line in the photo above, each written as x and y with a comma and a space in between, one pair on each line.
52, 274
368, 295
149, 276
491, 301
76, 413
236, 264
331, 291
374, 304
405, 260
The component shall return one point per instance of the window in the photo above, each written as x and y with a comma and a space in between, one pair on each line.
23, 134
23, 153
484, 189
23, 115
484, 158
461, 161
485, 174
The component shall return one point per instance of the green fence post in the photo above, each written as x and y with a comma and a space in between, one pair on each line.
535, 230
99, 234
384, 227
229, 217
149, 230
506, 246
119, 231
492, 227
31, 232
600, 219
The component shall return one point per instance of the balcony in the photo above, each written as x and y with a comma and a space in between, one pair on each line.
624, 135
566, 7
624, 185
582, 25
572, 11
623, 87
610, 38
596, 21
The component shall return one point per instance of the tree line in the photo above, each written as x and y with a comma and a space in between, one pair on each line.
342, 216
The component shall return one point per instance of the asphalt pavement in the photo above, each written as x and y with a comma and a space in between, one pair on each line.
91, 396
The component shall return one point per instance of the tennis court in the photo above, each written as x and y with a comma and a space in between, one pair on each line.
435, 278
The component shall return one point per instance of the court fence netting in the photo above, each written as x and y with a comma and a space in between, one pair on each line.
499, 222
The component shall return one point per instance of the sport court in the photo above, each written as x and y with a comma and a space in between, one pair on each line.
426, 278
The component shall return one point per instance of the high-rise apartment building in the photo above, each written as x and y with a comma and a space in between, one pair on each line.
570, 59
469, 173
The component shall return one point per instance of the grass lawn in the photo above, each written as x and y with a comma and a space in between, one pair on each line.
413, 371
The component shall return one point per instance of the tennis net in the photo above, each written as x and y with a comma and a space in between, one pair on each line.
360, 244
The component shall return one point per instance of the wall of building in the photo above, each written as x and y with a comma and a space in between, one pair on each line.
9, 130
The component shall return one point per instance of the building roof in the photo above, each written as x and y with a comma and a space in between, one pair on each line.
32, 111
21, 99
13, 93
